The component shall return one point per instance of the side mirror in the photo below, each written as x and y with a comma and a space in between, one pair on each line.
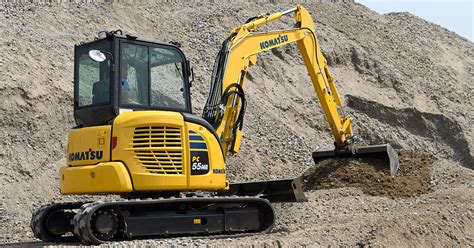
97, 55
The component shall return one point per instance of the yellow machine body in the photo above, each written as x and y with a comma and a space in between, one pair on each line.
154, 150
143, 151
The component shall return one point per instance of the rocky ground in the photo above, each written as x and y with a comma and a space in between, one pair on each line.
406, 81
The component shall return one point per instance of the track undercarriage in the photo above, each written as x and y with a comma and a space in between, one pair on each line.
246, 209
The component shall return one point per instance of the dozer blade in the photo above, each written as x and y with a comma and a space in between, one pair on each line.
383, 152
283, 190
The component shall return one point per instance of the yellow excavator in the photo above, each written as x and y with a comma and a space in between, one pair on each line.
137, 137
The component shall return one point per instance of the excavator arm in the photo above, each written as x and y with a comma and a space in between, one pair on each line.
225, 107
241, 53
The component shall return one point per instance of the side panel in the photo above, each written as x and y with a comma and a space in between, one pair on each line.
206, 165
158, 148
89, 145
150, 144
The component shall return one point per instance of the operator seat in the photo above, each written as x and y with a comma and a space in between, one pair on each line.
100, 92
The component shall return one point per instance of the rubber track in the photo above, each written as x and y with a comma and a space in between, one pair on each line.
81, 221
39, 218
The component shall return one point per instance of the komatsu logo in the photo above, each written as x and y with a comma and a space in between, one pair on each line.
272, 42
87, 155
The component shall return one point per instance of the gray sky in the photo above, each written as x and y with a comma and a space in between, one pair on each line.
455, 15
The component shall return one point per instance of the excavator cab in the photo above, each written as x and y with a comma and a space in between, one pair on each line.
117, 73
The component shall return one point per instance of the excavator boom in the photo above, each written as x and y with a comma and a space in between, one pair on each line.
225, 107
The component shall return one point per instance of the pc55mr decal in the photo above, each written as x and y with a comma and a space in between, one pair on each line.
199, 163
198, 154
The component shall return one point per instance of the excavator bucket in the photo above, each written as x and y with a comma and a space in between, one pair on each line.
384, 152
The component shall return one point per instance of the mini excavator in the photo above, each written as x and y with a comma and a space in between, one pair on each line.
137, 137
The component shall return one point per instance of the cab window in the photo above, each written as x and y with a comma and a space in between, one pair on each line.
92, 77
152, 77
167, 79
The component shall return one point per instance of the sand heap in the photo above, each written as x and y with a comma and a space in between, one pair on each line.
406, 81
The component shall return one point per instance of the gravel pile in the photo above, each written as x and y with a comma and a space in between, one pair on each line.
406, 81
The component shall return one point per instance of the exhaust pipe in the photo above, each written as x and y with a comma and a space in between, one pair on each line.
384, 152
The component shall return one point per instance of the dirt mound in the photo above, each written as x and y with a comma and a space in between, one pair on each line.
409, 80
372, 175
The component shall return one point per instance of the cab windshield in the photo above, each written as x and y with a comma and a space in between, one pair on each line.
151, 77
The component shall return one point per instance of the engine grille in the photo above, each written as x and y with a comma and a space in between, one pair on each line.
159, 149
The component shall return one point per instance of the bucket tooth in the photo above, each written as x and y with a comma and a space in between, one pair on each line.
384, 152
